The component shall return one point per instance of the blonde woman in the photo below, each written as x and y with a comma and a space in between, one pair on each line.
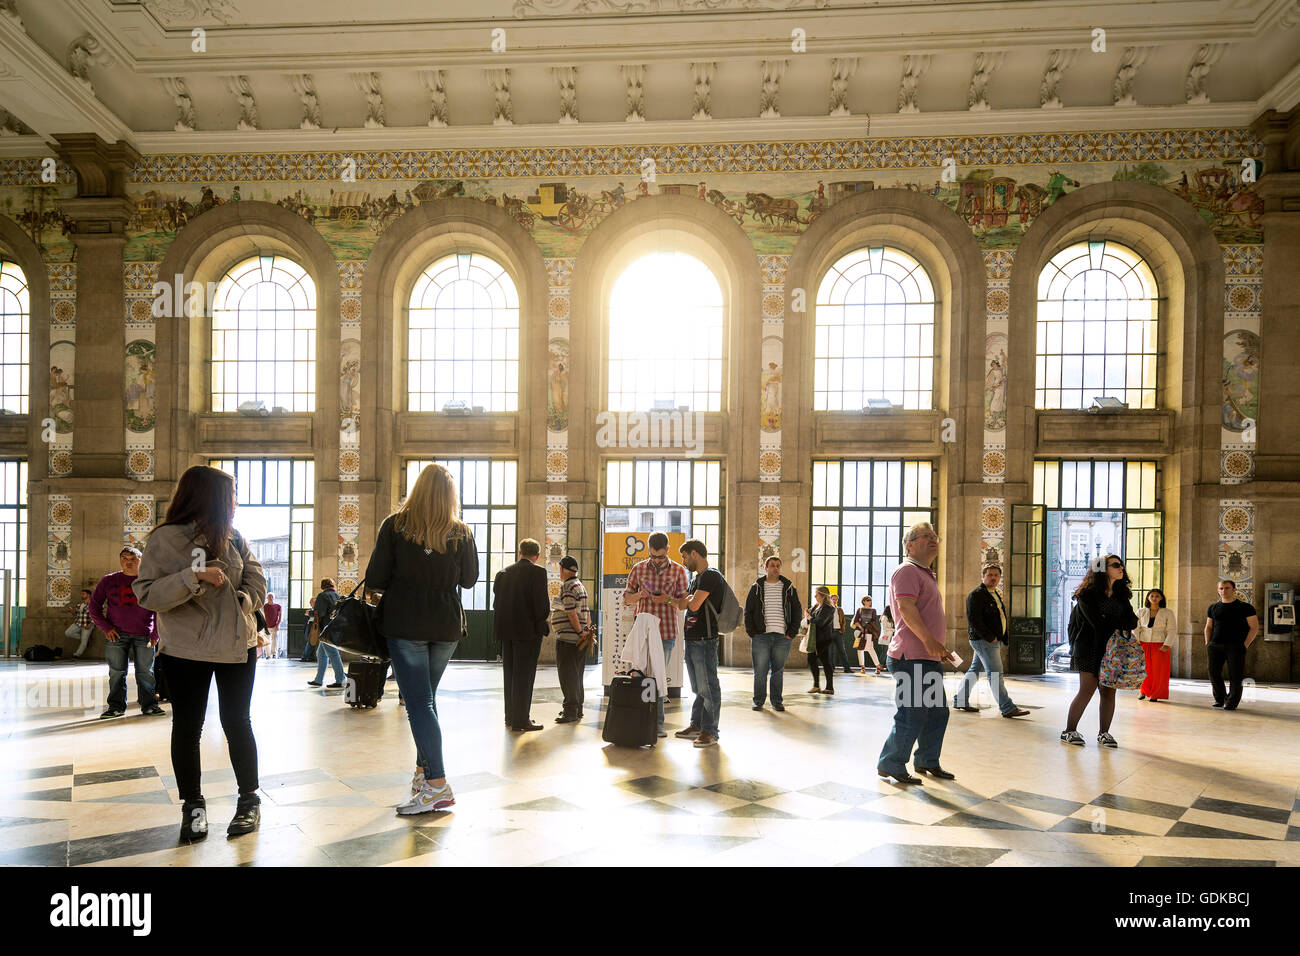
424, 554
821, 616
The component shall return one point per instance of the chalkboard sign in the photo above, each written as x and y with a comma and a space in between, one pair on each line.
1026, 626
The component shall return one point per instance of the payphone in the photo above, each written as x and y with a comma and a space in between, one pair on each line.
1279, 612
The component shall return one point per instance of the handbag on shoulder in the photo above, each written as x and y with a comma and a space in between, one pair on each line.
350, 627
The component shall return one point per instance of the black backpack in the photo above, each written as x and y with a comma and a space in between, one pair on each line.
40, 654
1076, 625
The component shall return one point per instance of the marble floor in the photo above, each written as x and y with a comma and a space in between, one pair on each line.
1189, 785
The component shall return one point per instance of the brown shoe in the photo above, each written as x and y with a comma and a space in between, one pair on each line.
1018, 712
689, 733
815, 690
968, 708
829, 692
705, 740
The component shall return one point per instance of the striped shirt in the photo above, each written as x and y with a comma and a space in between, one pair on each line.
671, 580
773, 608
573, 597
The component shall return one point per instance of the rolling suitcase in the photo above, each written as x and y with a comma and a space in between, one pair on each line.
365, 684
632, 719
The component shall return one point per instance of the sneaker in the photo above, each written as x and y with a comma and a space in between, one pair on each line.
689, 733
111, 712
1073, 737
248, 814
1106, 740
154, 711
194, 821
417, 781
313, 683
428, 799
706, 740
334, 686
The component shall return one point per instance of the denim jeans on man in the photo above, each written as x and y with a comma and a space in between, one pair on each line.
80, 634
668, 655
136, 647
327, 653
702, 667
418, 667
769, 651
987, 658
921, 718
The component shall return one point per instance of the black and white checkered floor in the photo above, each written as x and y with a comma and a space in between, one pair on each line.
1190, 785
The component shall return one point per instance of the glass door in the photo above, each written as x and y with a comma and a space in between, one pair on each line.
1027, 628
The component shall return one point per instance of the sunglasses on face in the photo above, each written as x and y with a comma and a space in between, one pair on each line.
1115, 564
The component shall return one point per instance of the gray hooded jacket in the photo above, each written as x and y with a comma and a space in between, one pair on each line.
199, 621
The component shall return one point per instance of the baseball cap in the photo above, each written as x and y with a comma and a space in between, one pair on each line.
569, 562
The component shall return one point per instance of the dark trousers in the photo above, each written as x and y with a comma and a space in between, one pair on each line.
308, 649
519, 660
572, 665
1235, 658
190, 682
841, 653
826, 654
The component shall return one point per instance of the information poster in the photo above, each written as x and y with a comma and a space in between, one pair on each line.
622, 550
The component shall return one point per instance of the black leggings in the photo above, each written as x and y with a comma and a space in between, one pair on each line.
189, 683
826, 652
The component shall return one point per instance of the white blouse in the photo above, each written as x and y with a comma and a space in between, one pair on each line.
1159, 631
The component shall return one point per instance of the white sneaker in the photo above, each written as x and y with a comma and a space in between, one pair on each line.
1106, 740
429, 798
417, 781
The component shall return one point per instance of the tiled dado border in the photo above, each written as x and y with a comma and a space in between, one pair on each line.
559, 273
63, 348
771, 401
140, 380
771, 157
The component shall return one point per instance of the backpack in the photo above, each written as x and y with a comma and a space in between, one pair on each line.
39, 653
731, 615
1076, 625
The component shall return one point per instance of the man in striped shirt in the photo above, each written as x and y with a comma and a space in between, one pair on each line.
652, 586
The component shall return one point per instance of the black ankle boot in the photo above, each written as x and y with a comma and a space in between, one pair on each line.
248, 814
194, 820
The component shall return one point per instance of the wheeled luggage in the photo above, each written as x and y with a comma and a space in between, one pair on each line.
632, 717
365, 684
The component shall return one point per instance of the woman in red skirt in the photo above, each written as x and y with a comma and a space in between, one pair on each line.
1156, 632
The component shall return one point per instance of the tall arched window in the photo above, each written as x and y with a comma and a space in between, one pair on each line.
874, 337
463, 336
665, 335
1098, 310
264, 336
15, 338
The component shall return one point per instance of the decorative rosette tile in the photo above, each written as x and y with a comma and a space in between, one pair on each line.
769, 516
995, 463
1235, 520
139, 462
349, 514
558, 308
769, 463
61, 462
349, 462
998, 301
993, 518
773, 305
65, 310
60, 588
1241, 298
350, 309
556, 514
60, 512
557, 463
1237, 464
139, 513
140, 311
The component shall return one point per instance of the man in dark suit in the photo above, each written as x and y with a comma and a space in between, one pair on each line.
986, 616
522, 607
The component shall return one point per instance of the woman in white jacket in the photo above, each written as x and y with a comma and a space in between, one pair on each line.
1156, 631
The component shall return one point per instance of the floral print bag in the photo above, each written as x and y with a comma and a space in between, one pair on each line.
1123, 666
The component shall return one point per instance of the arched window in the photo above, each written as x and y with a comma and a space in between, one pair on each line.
264, 336
15, 338
874, 337
463, 336
665, 335
1098, 308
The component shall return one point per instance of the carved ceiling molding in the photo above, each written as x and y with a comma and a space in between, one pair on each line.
560, 8
175, 13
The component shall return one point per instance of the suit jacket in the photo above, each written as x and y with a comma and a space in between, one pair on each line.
982, 618
520, 602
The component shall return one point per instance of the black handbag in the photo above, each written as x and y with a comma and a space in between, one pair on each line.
350, 627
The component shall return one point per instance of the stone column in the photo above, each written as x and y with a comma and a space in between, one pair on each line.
1276, 488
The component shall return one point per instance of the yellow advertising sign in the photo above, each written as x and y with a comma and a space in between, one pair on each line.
623, 549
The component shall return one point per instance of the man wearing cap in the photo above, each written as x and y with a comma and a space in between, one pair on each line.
129, 633
569, 621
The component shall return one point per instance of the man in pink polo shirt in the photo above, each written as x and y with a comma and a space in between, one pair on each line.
915, 656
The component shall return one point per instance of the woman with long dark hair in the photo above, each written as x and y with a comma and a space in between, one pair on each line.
1156, 631
423, 555
1103, 601
821, 616
198, 575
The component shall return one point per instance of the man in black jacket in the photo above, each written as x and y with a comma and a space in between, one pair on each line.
986, 616
522, 606
772, 616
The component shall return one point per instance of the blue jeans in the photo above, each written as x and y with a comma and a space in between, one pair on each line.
841, 653
702, 666
668, 652
136, 647
326, 653
769, 652
921, 718
987, 658
418, 667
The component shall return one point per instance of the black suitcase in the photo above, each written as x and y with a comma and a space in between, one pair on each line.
632, 718
365, 682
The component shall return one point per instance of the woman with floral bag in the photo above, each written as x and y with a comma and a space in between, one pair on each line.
1105, 652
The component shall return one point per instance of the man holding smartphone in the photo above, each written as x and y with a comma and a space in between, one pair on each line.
653, 585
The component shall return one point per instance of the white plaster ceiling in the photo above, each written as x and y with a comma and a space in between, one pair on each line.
140, 42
